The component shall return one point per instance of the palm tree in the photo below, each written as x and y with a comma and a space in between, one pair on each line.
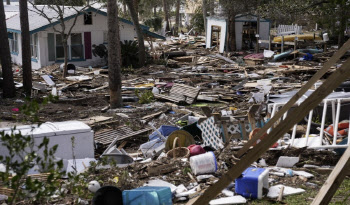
135, 18
5, 57
26, 53
114, 55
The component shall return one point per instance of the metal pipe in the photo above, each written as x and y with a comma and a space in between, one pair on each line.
335, 125
323, 119
308, 126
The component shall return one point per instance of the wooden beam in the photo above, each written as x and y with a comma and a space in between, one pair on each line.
296, 97
298, 114
334, 180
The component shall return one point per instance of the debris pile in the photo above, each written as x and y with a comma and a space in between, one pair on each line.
184, 120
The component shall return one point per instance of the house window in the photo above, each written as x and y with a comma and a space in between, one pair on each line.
77, 46
13, 40
34, 45
88, 18
59, 47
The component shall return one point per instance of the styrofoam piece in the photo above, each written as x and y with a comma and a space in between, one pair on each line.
48, 80
187, 193
201, 177
180, 189
78, 78
227, 193
280, 174
161, 183
285, 161
268, 53
229, 200
311, 142
304, 174
274, 191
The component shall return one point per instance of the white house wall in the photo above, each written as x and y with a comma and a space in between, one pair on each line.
17, 59
98, 27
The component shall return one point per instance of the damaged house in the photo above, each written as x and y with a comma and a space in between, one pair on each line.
46, 44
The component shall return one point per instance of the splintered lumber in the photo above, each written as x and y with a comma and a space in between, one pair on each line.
334, 180
296, 97
296, 116
180, 93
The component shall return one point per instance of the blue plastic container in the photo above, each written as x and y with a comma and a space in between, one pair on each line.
165, 130
148, 195
252, 182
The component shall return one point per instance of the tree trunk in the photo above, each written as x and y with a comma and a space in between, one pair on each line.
136, 6
177, 17
26, 52
231, 32
135, 19
212, 7
204, 9
65, 48
166, 15
155, 11
114, 55
5, 57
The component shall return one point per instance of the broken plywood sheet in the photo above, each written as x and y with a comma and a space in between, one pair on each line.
180, 93
106, 137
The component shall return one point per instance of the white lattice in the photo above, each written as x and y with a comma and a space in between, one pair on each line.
211, 133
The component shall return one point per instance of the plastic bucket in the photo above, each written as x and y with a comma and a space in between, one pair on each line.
204, 163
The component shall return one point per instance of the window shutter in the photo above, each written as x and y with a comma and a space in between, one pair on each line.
87, 44
51, 45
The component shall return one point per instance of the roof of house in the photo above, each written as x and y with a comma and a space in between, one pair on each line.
10, 10
39, 23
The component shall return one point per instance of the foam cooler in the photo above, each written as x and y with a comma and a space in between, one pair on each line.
252, 182
148, 195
